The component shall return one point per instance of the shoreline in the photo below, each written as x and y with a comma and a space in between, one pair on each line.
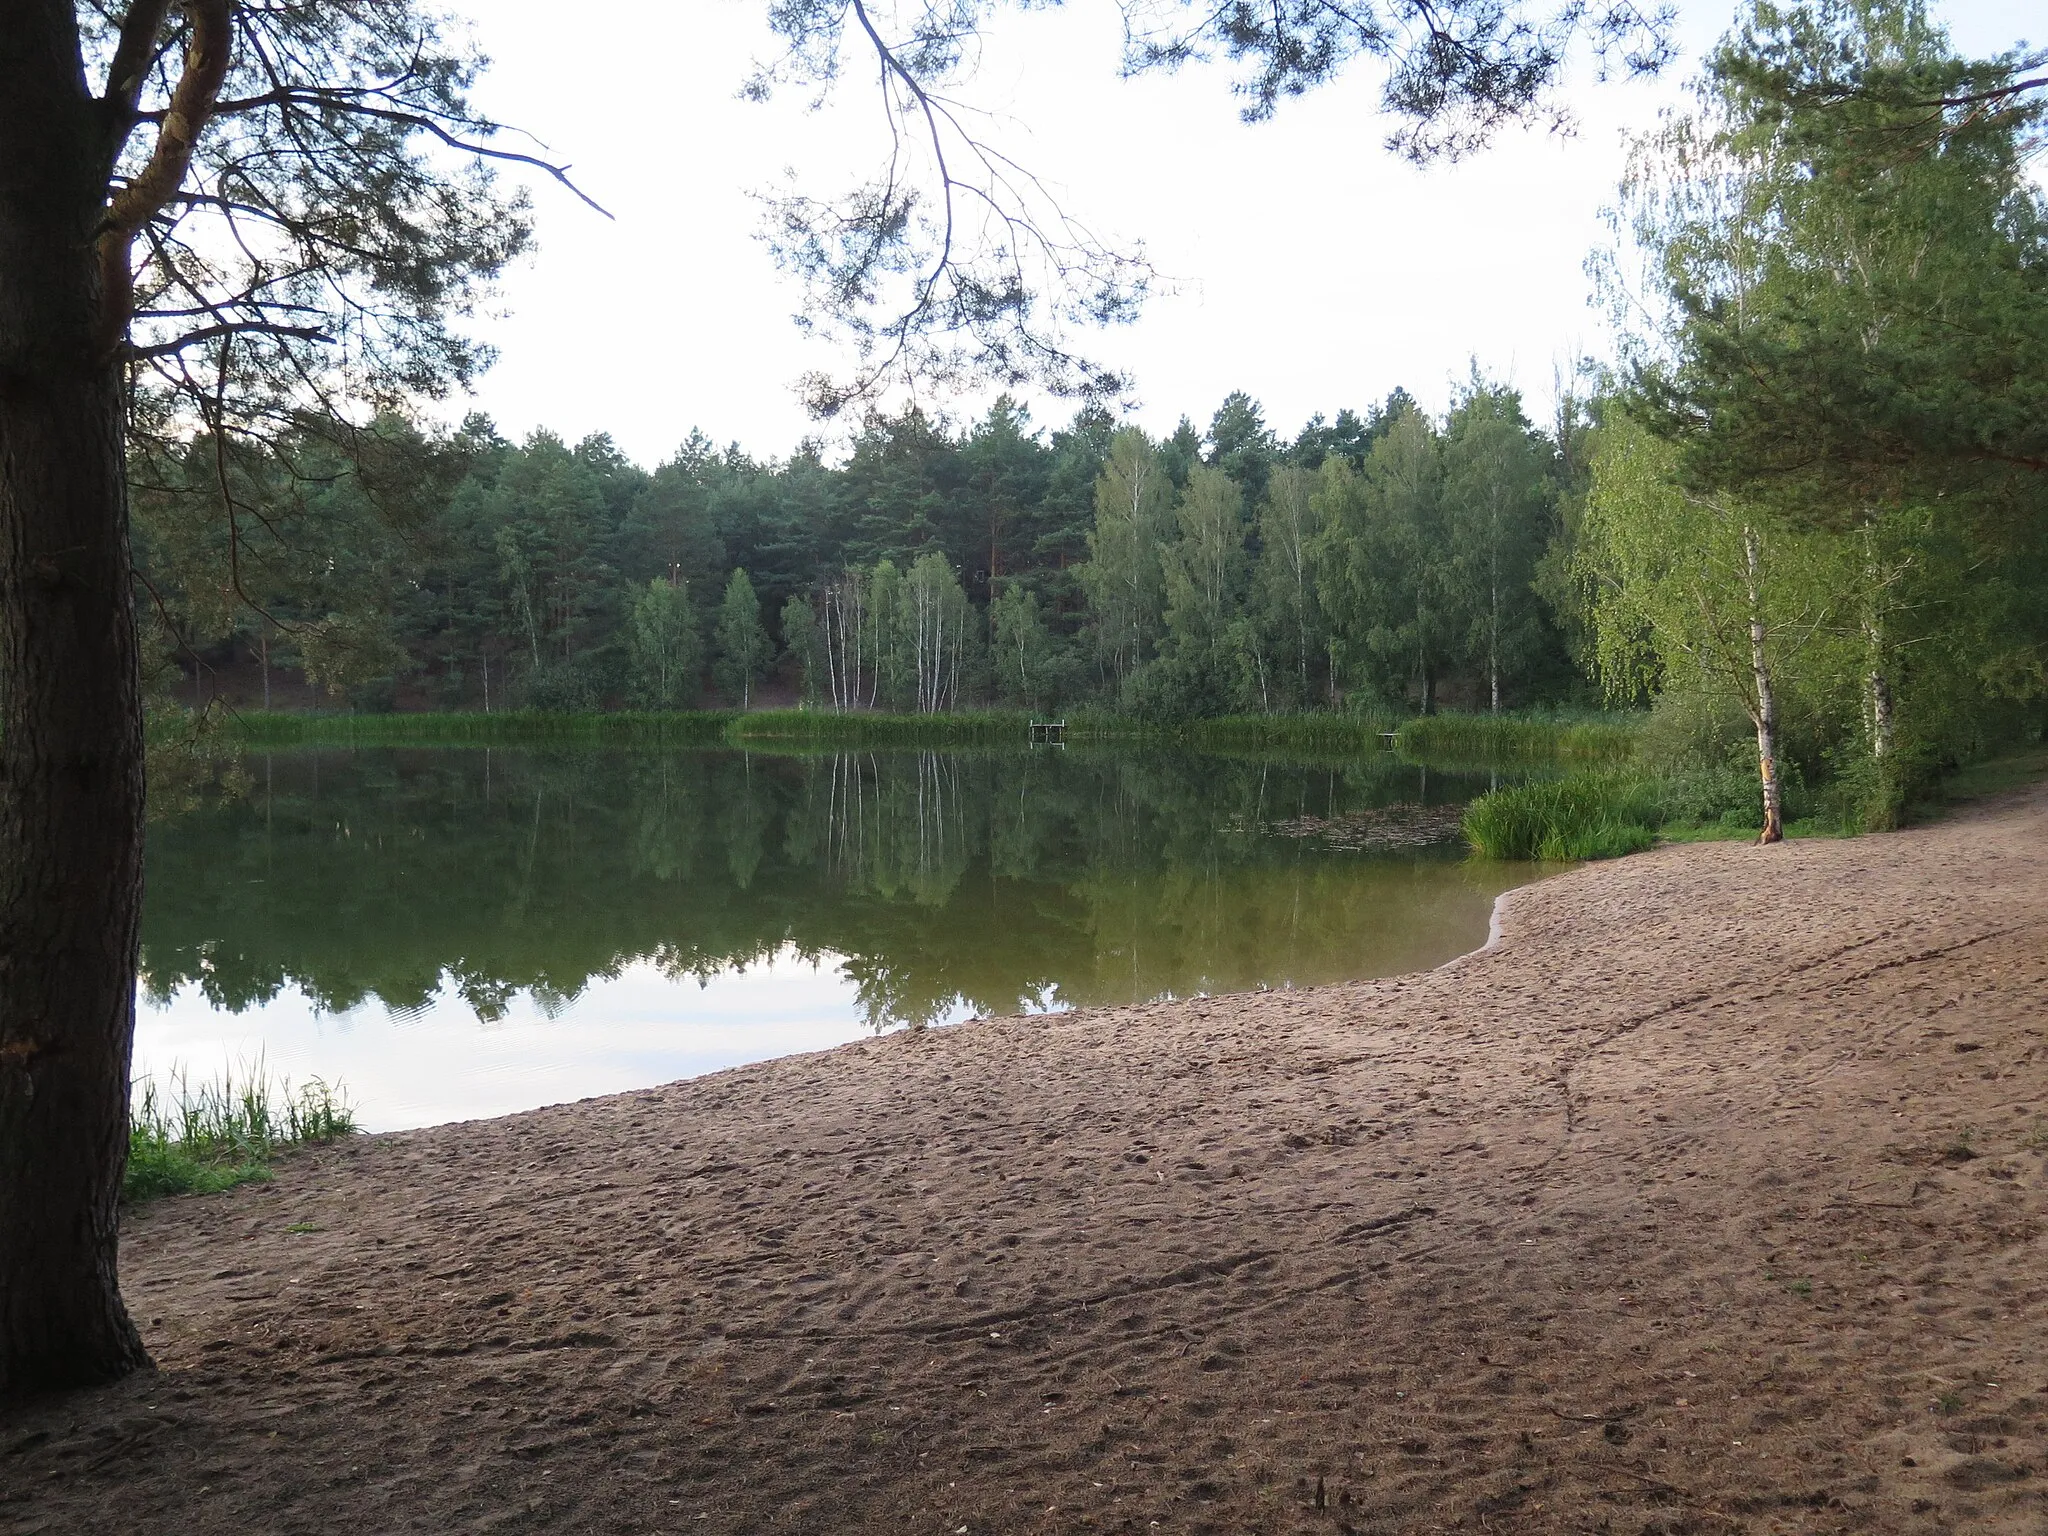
1709, 1194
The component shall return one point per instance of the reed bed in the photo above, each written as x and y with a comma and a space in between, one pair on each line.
1587, 815
877, 729
1318, 734
200, 1138
507, 728
1489, 739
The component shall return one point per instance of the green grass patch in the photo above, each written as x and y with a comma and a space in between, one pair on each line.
1447, 740
1581, 816
198, 1139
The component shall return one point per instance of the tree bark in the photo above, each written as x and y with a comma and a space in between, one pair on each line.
1765, 714
71, 790
1882, 729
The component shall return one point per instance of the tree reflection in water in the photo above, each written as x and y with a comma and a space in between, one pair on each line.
999, 881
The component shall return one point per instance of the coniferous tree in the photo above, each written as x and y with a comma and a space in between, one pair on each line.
800, 646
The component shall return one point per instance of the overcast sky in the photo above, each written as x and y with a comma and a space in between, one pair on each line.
1313, 269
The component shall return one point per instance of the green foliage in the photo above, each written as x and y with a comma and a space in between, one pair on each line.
664, 646
930, 570
1850, 340
1583, 816
1025, 658
800, 647
742, 646
201, 1139
1124, 578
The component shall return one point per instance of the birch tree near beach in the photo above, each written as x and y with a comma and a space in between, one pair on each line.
227, 220
1845, 323
1689, 591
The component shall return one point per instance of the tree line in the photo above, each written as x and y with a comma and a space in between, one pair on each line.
1391, 556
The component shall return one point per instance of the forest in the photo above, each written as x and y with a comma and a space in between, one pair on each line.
1803, 516
1215, 571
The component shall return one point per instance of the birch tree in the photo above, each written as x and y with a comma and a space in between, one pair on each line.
665, 650
1124, 579
1689, 590
1284, 581
742, 644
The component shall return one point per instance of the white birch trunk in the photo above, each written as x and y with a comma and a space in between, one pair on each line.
1765, 712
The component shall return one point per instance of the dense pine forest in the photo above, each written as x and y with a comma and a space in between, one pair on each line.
1391, 556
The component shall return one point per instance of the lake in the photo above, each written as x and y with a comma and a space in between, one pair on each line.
461, 932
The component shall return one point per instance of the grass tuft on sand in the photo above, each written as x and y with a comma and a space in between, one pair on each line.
197, 1139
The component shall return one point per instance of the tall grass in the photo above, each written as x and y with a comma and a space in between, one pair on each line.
199, 1139
1581, 816
1485, 739
1319, 733
879, 729
511, 728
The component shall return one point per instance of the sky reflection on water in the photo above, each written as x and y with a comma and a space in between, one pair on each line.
459, 933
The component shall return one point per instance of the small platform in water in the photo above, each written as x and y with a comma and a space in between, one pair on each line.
1049, 732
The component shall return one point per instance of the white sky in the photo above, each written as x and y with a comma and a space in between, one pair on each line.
1314, 269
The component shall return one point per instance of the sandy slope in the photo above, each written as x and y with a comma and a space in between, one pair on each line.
1711, 1200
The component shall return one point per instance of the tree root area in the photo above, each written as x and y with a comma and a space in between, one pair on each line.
1711, 1199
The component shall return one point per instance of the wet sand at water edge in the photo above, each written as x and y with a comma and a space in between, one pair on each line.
1712, 1198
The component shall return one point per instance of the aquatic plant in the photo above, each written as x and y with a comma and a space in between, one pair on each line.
1582, 816
522, 727
1467, 739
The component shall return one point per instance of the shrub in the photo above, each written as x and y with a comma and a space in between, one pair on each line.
1584, 816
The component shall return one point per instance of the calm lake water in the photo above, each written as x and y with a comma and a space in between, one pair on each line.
464, 932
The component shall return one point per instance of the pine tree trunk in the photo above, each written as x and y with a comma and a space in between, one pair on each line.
71, 754
1765, 714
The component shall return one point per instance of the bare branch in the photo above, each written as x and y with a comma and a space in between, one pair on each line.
230, 328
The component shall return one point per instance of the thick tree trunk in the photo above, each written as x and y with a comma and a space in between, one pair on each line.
71, 754
1765, 713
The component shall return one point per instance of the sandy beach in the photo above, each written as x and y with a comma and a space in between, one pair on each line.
1710, 1198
